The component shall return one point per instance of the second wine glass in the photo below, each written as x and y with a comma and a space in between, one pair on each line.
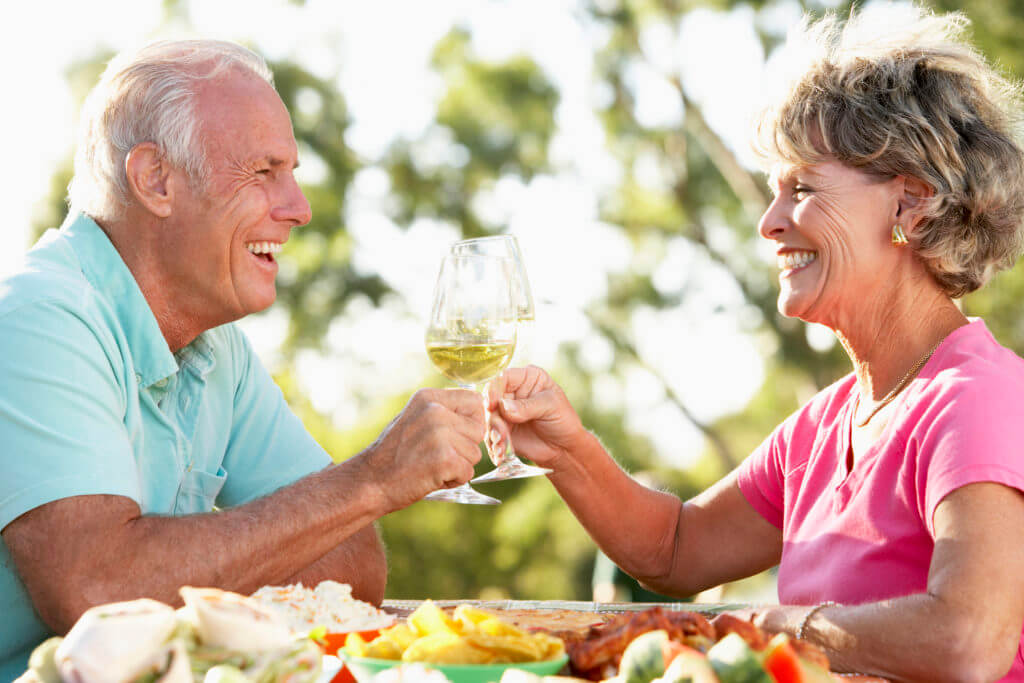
471, 335
507, 465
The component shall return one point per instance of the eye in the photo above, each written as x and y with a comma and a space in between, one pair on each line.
801, 192
263, 171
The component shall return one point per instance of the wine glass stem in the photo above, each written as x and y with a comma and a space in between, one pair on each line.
481, 389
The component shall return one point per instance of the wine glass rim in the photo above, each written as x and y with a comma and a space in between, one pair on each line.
496, 257
486, 238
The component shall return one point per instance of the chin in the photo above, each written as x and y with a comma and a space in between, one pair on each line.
258, 303
787, 304
792, 308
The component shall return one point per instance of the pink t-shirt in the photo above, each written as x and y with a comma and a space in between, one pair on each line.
866, 534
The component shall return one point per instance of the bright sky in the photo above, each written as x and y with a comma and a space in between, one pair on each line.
378, 51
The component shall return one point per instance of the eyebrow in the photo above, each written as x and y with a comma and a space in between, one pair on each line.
276, 163
790, 174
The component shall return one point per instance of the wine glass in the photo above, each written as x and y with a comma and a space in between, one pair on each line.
505, 246
472, 333
508, 464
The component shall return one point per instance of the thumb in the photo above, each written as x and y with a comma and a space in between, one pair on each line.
525, 409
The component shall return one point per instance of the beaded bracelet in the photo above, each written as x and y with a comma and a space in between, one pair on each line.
806, 620
810, 613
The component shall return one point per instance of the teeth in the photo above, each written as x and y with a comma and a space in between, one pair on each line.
795, 259
264, 247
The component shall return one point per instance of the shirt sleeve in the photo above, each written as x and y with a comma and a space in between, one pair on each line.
269, 446
62, 411
972, 433
761, 477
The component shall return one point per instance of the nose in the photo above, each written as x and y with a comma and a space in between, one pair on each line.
774, 221
292, 205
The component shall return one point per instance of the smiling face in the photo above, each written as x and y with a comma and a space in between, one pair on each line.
219, 255
830, 224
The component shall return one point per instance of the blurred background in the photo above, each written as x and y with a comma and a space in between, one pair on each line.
609, 136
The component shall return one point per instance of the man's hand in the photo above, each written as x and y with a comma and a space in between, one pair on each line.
432, 444
543, 424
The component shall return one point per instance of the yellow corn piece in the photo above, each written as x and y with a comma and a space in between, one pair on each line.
497, 627
446, 648
382, 647
469, 615
508, 648
402, 635
355, 645
429, 619
551, 646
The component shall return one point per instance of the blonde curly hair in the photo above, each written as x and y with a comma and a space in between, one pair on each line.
897, 90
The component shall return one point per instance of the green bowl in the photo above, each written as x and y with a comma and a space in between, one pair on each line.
365, 668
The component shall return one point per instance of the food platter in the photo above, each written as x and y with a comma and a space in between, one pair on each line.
284, 636
364, 669
559, 615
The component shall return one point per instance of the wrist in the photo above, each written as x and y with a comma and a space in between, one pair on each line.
359, 481
802, 629
574, 451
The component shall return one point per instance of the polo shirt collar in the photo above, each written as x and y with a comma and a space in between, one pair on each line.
104, 268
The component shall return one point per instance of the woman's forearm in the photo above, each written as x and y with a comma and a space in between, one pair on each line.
913, 638
634, 525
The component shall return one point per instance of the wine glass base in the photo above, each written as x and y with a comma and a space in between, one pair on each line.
511, 468
461, 494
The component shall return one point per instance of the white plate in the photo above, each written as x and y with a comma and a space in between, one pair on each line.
331, 666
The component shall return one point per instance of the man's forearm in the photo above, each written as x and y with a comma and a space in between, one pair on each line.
264, 542
359, 561
112, 553
109, 551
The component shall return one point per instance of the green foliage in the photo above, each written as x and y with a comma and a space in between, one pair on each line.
499, 119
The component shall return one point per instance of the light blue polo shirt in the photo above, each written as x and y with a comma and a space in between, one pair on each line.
92, 401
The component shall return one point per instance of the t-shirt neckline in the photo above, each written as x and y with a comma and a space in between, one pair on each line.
845, 474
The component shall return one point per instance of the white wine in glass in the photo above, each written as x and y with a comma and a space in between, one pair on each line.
472, 333
470, 364
507, 465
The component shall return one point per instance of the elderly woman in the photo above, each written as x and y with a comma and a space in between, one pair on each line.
892, 502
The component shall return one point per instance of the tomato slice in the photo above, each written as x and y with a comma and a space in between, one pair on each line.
332, 642
783, 664
343, 676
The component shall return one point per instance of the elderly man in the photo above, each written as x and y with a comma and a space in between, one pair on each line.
130, 406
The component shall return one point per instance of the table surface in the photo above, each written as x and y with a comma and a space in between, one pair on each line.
573, 605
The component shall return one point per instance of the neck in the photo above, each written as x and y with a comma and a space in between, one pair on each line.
888, 338
131, 236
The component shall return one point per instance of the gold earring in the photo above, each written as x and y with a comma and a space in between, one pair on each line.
898, 236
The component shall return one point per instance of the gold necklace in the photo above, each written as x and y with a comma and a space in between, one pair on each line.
900, 386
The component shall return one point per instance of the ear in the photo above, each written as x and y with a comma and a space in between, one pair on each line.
913, 195
149, 178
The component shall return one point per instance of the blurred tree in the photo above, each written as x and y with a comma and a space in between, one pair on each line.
497, 121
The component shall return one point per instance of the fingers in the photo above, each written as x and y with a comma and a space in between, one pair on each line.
447, 460
517, 383
500, 434
522, 410
496, 388
454, 417
462, 474
465, 455
460, 409
462, 401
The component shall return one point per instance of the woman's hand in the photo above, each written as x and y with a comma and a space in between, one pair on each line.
543, 425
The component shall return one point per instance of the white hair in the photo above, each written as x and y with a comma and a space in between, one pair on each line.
148, 96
